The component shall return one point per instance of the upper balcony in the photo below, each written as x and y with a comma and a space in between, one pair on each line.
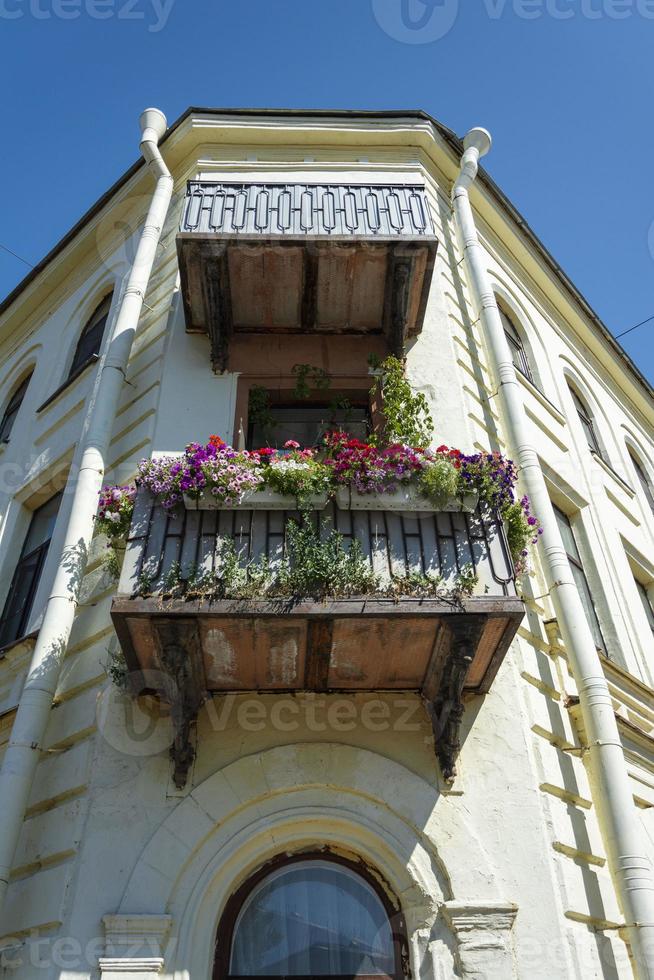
305, 258
185, 640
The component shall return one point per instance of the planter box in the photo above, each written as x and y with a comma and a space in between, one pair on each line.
406, 499
265, 499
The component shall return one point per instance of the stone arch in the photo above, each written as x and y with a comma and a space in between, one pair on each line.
288, 798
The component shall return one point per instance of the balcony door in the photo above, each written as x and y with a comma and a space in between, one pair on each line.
306, 917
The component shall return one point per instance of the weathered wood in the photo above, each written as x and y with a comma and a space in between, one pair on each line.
244, 283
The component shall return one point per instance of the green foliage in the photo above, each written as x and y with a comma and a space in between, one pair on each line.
321, 566
439, 481
112, 561
299, 475
259, 413
406, 413
519, 533
116, 668
307, 376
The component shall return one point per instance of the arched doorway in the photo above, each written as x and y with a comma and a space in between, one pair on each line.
311, 915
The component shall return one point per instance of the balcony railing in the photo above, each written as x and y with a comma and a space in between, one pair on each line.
312, 258
186, 645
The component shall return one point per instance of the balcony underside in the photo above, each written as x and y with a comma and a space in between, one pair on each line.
186, 651
303, 284
186, 647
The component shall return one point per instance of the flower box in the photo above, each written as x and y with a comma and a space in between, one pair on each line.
404, 499
265, 499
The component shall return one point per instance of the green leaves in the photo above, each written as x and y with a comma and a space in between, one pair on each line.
407, 419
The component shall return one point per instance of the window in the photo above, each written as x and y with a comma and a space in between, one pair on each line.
572, 551
516, 346
310, 917
22, 590
587, 425
647, 605
12, 409
90, 341
305, 423
643, 479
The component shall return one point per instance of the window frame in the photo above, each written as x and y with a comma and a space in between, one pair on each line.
13, 406
78, 363
587, 422
642, 477
37, 555
576, 561
516, 345
229, 918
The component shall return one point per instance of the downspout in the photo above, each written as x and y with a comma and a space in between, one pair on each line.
612, 794
29, 728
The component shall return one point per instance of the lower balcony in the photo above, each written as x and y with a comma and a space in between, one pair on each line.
437, 617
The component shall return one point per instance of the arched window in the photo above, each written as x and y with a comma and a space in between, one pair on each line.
588, 425
13, 406
643, 479
90, 340
516, 346
310, 916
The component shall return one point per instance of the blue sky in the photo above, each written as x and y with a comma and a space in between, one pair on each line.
565, 86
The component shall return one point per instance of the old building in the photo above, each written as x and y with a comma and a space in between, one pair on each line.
394, 785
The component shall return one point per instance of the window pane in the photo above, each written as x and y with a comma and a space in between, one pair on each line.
19, 600
586, 424
647, 605
313, 918
26, 576
644, 482
306, 425
90, 339
516, 346
565, 528
12, 409
589, 606
572, 551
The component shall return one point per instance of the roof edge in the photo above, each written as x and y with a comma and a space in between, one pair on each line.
450, 137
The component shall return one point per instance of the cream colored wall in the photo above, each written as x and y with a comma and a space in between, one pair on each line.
108, 832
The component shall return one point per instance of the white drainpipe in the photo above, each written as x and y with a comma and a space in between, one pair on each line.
612, 793
25, 745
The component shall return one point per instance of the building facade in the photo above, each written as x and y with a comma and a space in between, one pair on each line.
294, 811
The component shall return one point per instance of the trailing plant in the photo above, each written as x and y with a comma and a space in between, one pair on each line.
116, 668
522, 529
407, 419
115, 509
114, 517
259, 413
306, 373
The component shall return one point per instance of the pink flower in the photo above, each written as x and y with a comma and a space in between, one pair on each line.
291, 444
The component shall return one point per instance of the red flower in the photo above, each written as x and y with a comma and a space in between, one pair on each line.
217, 442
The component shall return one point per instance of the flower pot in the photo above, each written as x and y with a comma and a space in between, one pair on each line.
405, 499
265, 499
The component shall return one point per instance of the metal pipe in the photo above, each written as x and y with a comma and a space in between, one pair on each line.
29, 728
612, 793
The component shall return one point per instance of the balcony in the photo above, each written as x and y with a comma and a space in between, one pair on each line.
305, 258
186, 647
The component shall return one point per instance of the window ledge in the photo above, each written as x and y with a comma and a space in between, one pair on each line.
541, 398
616, 476
93, 359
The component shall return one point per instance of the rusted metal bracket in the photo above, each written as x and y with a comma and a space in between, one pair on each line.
447, 708
183, 688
